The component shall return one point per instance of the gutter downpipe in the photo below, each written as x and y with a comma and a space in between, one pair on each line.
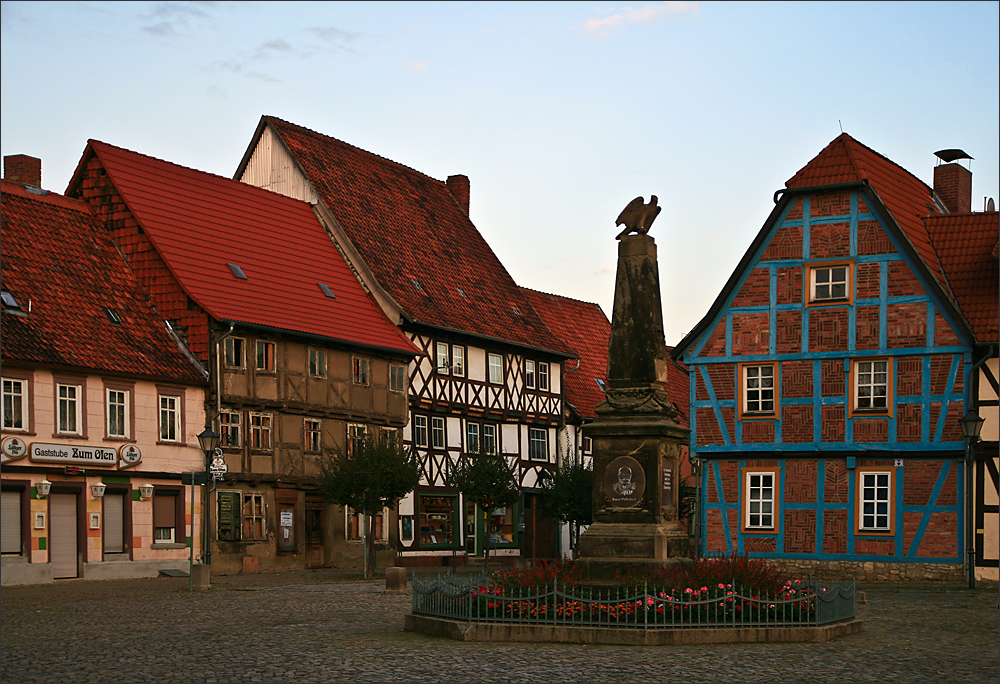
207, 553
970, 536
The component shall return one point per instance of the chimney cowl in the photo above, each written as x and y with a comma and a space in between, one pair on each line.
23, 169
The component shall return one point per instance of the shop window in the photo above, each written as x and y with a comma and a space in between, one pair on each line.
760, 500
502, 523
875, 493
436, 520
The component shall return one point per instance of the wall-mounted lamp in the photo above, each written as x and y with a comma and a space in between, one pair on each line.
972, 425
146, 491
43, 488
98, 490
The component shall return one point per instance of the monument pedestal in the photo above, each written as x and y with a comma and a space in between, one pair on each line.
637, 440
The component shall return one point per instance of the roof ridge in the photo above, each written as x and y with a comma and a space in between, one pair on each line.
355, 147
47, 196
553, 294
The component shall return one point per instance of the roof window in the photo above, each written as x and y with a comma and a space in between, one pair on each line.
326, 290
600, 383
112, 316
515, 310
237, 271
462, 292
416, 284
9, 301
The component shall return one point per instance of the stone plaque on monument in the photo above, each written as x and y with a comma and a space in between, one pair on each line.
624, 482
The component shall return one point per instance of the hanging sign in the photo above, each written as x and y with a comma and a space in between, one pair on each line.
13, 448
130, 455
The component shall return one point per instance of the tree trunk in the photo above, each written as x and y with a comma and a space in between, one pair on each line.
486, 541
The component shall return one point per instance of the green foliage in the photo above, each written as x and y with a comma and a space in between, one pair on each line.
485, 480
569, 495
374, 475
539, 575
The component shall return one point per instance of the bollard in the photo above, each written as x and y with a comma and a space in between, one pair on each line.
201, 576
395, 580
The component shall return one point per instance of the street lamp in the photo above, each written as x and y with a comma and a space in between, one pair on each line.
972, 425
208, 440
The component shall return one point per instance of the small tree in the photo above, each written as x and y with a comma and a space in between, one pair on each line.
373, 475
486, 481
569, 497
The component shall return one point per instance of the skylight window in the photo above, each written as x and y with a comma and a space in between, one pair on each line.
515, 310
416, 284
9, 301
237, 271
600, 383
326, 290
462, 292
112, 316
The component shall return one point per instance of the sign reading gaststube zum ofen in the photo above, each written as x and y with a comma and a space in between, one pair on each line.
70, 453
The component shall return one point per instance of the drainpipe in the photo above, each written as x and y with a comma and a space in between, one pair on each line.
209, 484
970, 526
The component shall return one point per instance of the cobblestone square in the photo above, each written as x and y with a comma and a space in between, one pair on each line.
322, 626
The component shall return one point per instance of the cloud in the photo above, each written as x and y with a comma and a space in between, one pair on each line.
417, 66
242, 69
333, 36
170, 19
648, 14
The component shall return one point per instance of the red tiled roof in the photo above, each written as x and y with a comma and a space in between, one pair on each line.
60, 262
907, 198
200, 223
966, 245
409, 227
585, 329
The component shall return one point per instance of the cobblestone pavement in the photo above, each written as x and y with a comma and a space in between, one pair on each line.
322, 626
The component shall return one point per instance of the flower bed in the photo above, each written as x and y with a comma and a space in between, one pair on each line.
550, 593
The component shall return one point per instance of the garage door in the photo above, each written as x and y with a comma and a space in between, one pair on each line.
62, 535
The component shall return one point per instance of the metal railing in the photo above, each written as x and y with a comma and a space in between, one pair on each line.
477, 599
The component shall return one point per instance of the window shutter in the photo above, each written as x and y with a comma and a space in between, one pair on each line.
11, 521
164, 514
229, 507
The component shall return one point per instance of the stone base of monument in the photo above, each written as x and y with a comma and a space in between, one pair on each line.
609, 547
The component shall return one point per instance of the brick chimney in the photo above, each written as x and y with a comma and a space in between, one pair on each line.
458, 186
20, 168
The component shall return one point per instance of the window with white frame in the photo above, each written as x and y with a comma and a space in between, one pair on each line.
170, 418
118, 413
397, 378
260, 430
495, 367
443, 363
69, 399
472, 442
420, 431
759, 385
490, 445
457, 360
360, 365
829, 282
15, 404
759, 499
543, 376
314, 435
871, 385
538, 444
529, 374
230, 423
265, 356
317, 363
875, 501
437, 433
234, 352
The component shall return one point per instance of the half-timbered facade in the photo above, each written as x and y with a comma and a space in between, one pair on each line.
301, 359
829, 377
101, 406
491, 374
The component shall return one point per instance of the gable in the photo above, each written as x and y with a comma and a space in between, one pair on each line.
767, 309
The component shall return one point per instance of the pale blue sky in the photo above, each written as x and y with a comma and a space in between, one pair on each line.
560, 113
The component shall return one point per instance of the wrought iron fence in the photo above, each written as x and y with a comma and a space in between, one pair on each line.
476, 599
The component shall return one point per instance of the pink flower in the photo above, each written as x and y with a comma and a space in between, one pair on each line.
721, 585
704, 588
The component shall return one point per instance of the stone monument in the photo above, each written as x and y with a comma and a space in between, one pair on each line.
636, 437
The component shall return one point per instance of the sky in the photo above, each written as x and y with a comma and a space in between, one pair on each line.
560, 113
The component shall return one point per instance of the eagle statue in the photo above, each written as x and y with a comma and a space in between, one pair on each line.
637, 216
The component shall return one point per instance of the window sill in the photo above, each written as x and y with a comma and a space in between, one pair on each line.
120, 440
167, 545
759, 530
758, 416
176, 444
